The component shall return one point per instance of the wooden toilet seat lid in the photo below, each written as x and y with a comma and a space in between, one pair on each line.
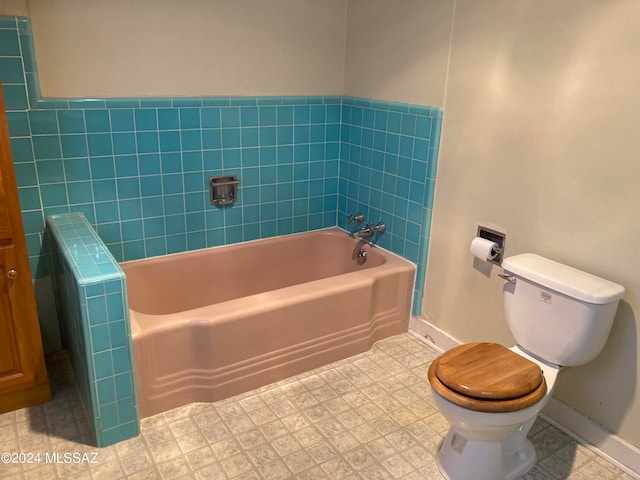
488, 371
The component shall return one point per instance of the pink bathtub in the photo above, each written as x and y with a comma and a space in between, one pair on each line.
213, 323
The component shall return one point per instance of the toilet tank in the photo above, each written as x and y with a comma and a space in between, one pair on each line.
558, 313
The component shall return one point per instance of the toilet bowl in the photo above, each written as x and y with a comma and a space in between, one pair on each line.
488, 435
491, 395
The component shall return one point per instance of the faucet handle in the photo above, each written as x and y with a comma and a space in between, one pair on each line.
380, 228
357, 218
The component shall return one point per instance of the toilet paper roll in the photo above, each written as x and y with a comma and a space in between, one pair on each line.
484, 249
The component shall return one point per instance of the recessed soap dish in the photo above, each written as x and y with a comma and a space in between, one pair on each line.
223, 190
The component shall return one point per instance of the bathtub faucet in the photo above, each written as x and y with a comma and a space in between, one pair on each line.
363, 232
357, 218
369, 230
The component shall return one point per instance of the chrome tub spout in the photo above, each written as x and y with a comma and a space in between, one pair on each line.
364, 232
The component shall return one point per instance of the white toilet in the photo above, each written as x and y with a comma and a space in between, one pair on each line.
491, 395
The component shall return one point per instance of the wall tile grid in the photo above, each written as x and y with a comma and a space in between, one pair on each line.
137, 168
92, 293
387, 171
140, 174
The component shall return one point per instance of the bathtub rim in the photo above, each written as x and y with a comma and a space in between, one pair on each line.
326, 230
146, 324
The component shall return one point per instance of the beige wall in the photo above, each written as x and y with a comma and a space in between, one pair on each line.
14, 7
96, 48
398, 50
541, 139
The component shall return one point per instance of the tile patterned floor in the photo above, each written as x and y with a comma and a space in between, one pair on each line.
367, 417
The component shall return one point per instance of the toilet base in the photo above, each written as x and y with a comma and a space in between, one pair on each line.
460, 458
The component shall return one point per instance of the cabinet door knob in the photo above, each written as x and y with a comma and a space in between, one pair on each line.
12, 274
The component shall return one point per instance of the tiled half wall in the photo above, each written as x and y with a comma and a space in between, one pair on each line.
137, 168
93, 299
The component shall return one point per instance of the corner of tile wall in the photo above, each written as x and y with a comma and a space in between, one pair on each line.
389, 154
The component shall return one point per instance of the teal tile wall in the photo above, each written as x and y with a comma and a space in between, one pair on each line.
387, 171
140, 174
138, 168
92, 294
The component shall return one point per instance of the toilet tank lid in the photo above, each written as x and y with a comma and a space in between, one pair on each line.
561, 278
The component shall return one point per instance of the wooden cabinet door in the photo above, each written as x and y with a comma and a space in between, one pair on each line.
14, 365
23, 375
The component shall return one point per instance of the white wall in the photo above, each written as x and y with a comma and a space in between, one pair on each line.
541, 139
398, 50
96, 48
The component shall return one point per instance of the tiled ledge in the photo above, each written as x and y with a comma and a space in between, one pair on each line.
86, 254
95, 312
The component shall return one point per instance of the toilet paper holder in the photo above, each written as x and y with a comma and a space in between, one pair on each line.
497, 237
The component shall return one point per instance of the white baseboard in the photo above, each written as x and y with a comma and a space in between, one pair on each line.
584, 430
432, 335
